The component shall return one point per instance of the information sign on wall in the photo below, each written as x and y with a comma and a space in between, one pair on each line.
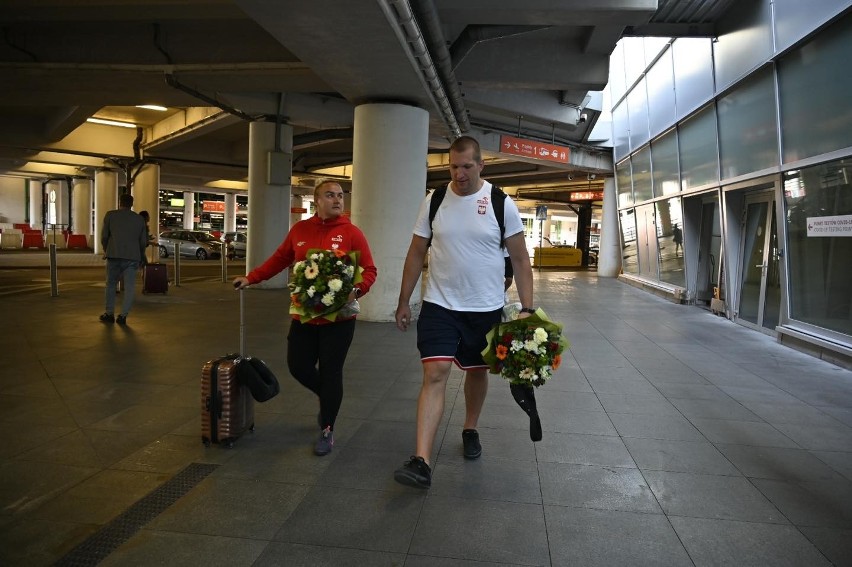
830, 226
534, 149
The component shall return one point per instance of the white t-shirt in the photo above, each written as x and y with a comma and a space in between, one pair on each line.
466, 265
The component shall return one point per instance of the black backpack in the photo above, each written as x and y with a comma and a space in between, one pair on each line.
498, 198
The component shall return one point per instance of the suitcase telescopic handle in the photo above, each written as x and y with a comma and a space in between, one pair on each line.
242, 319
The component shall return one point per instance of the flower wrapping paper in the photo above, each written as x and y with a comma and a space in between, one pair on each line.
525, 351
321, 283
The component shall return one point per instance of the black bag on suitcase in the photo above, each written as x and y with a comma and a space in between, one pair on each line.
228, 384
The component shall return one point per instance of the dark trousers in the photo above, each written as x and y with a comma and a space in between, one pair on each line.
315, 357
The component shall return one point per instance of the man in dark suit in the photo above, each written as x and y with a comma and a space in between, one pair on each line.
124, 237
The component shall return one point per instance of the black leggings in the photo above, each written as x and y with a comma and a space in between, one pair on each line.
315, 357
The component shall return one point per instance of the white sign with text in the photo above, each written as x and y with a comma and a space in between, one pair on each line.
830, 226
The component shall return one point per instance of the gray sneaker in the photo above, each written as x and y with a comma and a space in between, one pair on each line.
324, 443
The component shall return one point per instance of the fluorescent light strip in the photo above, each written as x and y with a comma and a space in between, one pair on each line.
152, 107
111, 122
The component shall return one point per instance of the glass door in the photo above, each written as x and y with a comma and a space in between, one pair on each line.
760, 287
709, 252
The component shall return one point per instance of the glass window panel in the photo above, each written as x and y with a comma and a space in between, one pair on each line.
620, 129
661, 94
670, 241
665, 167
634, 58
816, 116
744, 41
629, 263
698, 153
693, 65
617, 84
624, 184
747, 128
820, 263
637, 110
641, 166
795, 19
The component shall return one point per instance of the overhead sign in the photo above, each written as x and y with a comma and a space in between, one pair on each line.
830, 226
534, 149
586, 196
213, 206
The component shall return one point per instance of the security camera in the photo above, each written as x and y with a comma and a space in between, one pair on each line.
583, 118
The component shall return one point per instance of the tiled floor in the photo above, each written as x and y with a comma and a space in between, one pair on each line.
672, 437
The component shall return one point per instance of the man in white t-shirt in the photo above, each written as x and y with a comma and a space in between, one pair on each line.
463, 298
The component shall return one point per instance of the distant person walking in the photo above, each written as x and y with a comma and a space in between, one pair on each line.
124, 238
677, 237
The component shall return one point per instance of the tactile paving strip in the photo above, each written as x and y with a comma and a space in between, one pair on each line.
100, 544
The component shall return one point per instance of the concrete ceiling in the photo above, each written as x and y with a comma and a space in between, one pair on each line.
487, 67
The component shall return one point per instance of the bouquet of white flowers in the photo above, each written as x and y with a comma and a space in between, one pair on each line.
321, 283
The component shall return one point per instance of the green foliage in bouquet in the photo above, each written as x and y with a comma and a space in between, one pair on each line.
321, 283
525, 351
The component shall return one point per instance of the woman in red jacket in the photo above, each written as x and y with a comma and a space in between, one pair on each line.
316, 349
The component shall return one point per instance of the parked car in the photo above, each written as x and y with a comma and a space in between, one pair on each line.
197, 243
236, 243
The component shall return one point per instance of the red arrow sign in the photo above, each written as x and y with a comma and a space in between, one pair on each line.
534, 149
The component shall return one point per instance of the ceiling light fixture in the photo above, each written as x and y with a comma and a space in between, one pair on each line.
111, 122
152, 107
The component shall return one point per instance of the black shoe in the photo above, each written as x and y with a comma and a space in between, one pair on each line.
107, 318
415, 472
121, 319
472, 448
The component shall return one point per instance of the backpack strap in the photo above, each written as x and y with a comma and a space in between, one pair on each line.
498, 198
437, 198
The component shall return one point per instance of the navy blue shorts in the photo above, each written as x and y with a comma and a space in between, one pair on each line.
458, 336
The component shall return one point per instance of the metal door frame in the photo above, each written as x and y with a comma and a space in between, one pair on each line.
769, 197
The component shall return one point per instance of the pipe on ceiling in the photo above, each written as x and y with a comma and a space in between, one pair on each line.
172, 82
399, 13
427, 16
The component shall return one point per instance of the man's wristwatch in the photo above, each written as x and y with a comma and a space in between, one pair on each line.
527, 310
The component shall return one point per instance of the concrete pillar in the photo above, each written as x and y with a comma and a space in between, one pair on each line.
188, 210
146, 192
388, 185
609, 255
545, 231
230, 212
106, 199
270, 173
81, 207
36, 203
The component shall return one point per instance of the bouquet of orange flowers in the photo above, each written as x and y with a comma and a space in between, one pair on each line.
526, 352
321, 283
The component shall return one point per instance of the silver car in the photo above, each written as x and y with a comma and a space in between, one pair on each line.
236, 243
197, 243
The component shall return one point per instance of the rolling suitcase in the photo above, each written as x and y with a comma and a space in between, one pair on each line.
155, 278
227, 407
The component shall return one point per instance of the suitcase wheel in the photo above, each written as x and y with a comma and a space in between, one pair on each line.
205, 441
228, 444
